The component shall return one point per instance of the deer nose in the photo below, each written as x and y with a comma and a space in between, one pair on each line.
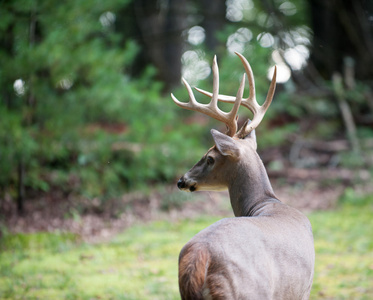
181, 183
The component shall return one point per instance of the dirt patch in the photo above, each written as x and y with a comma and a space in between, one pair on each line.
54, 211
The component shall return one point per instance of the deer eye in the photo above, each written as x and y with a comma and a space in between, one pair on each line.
210, 160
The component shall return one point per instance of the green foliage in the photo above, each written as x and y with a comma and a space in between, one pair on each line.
69, 112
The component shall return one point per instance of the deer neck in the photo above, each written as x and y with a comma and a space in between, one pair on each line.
250, 189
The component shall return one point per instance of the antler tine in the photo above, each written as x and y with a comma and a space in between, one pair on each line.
212, 109
215, 84
250, 102
250, 76
257, 110
192, 100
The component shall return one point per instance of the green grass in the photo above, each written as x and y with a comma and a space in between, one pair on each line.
141, 263
344, 252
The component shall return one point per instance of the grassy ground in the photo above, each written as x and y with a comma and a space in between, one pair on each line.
141, 263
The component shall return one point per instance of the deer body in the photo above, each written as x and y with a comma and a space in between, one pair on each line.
266, 251
258, 257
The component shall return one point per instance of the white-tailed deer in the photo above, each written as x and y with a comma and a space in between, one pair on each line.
266, 251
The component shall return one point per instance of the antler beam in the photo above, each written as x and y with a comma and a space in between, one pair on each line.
212, 109
250, 102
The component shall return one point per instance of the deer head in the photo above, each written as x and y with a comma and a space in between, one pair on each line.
235, 150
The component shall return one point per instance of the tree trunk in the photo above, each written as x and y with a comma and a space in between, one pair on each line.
21, 186
213, 21
342, 28
157, 26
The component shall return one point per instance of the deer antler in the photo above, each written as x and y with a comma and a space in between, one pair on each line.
250, 102
212, 108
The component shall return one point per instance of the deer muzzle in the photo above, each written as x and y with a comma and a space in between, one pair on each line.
186, 185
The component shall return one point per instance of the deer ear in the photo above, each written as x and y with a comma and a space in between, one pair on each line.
225, 144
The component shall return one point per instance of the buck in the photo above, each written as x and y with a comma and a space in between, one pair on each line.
266, 251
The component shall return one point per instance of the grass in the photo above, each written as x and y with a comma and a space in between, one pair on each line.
141, 263
344, 251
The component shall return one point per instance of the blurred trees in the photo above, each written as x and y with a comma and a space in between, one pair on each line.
342, 29
334, 43
160, 29
82, 103
57, 70
157, 26
71, 117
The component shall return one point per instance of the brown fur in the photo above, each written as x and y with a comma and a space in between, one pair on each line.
193, 263
216, 282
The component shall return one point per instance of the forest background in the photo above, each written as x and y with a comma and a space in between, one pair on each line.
91, 142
